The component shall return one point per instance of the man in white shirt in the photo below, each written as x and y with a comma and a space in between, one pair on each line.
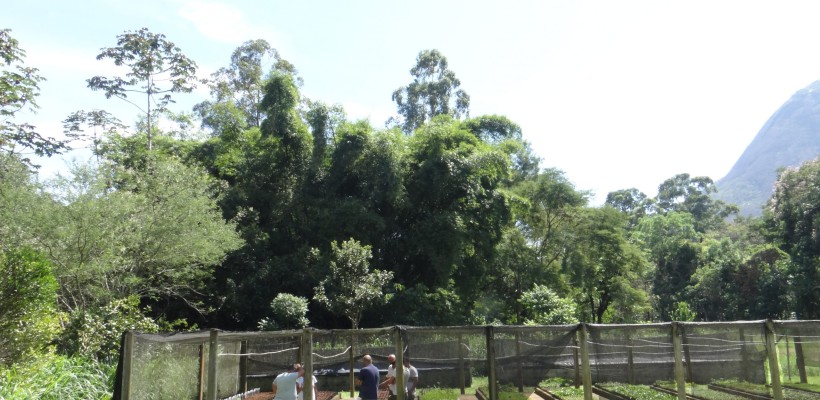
284, 385
391, 377
411, 378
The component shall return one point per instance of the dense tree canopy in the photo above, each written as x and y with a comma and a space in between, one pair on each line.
443, 219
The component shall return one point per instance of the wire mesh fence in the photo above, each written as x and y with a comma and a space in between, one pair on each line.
218, 365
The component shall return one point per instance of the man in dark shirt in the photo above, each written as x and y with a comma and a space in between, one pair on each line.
369, 378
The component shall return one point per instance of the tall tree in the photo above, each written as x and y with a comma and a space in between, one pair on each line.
682, 193
351, 287
434, 91
157, 68
604, 267
456, 209
794, 214
18, 91
238, 90
671, 242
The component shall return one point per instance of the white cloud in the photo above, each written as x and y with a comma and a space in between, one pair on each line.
223, 22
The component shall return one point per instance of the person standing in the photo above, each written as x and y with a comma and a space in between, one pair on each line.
390, 381
284, 385
300, 387
368, 379
411, 378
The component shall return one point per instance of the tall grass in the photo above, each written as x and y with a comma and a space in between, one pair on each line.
57, 378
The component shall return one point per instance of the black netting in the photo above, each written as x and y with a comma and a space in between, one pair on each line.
525, 356
713, 351
337, 353
447, 357
175, 366
164, 369
798, 350
640, 354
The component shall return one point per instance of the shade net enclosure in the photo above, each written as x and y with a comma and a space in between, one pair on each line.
526, 355
798, 351
218, 365
733, 350
337, 356
167, 366
446, 357
639, 354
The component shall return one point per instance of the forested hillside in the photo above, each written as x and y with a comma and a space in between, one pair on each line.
265, 209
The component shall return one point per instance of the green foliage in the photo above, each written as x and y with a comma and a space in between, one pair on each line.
96, 332
606, 268
28, 321
682, 312
434, 91
701, 391
671, 243
287, 312
544, 307
237, 90
156, 68
637, 391
692, 195
57, 378
795, 218
18, 92
157, 236
351, 287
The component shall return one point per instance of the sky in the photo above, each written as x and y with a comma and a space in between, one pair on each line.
617, 94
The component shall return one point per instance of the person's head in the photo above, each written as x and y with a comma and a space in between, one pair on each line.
391, 358
367, 360
296, 367
406, 361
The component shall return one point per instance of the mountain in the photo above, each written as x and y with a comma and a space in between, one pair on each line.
789, 138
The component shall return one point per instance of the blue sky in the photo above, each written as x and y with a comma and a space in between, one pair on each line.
617, 94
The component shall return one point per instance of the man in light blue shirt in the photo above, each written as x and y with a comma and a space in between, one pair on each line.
284, 385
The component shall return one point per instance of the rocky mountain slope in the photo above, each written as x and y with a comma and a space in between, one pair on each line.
789, 138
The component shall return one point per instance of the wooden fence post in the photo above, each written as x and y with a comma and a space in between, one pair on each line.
127, 363
352, 366
798, 358
307, 363
518, 361
201, 384
680, 377
586, 372
491, 372
461, 375
774, 364
213, 357
243, 366
400, 384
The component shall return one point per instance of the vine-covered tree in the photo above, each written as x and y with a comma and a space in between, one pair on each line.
157, 68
